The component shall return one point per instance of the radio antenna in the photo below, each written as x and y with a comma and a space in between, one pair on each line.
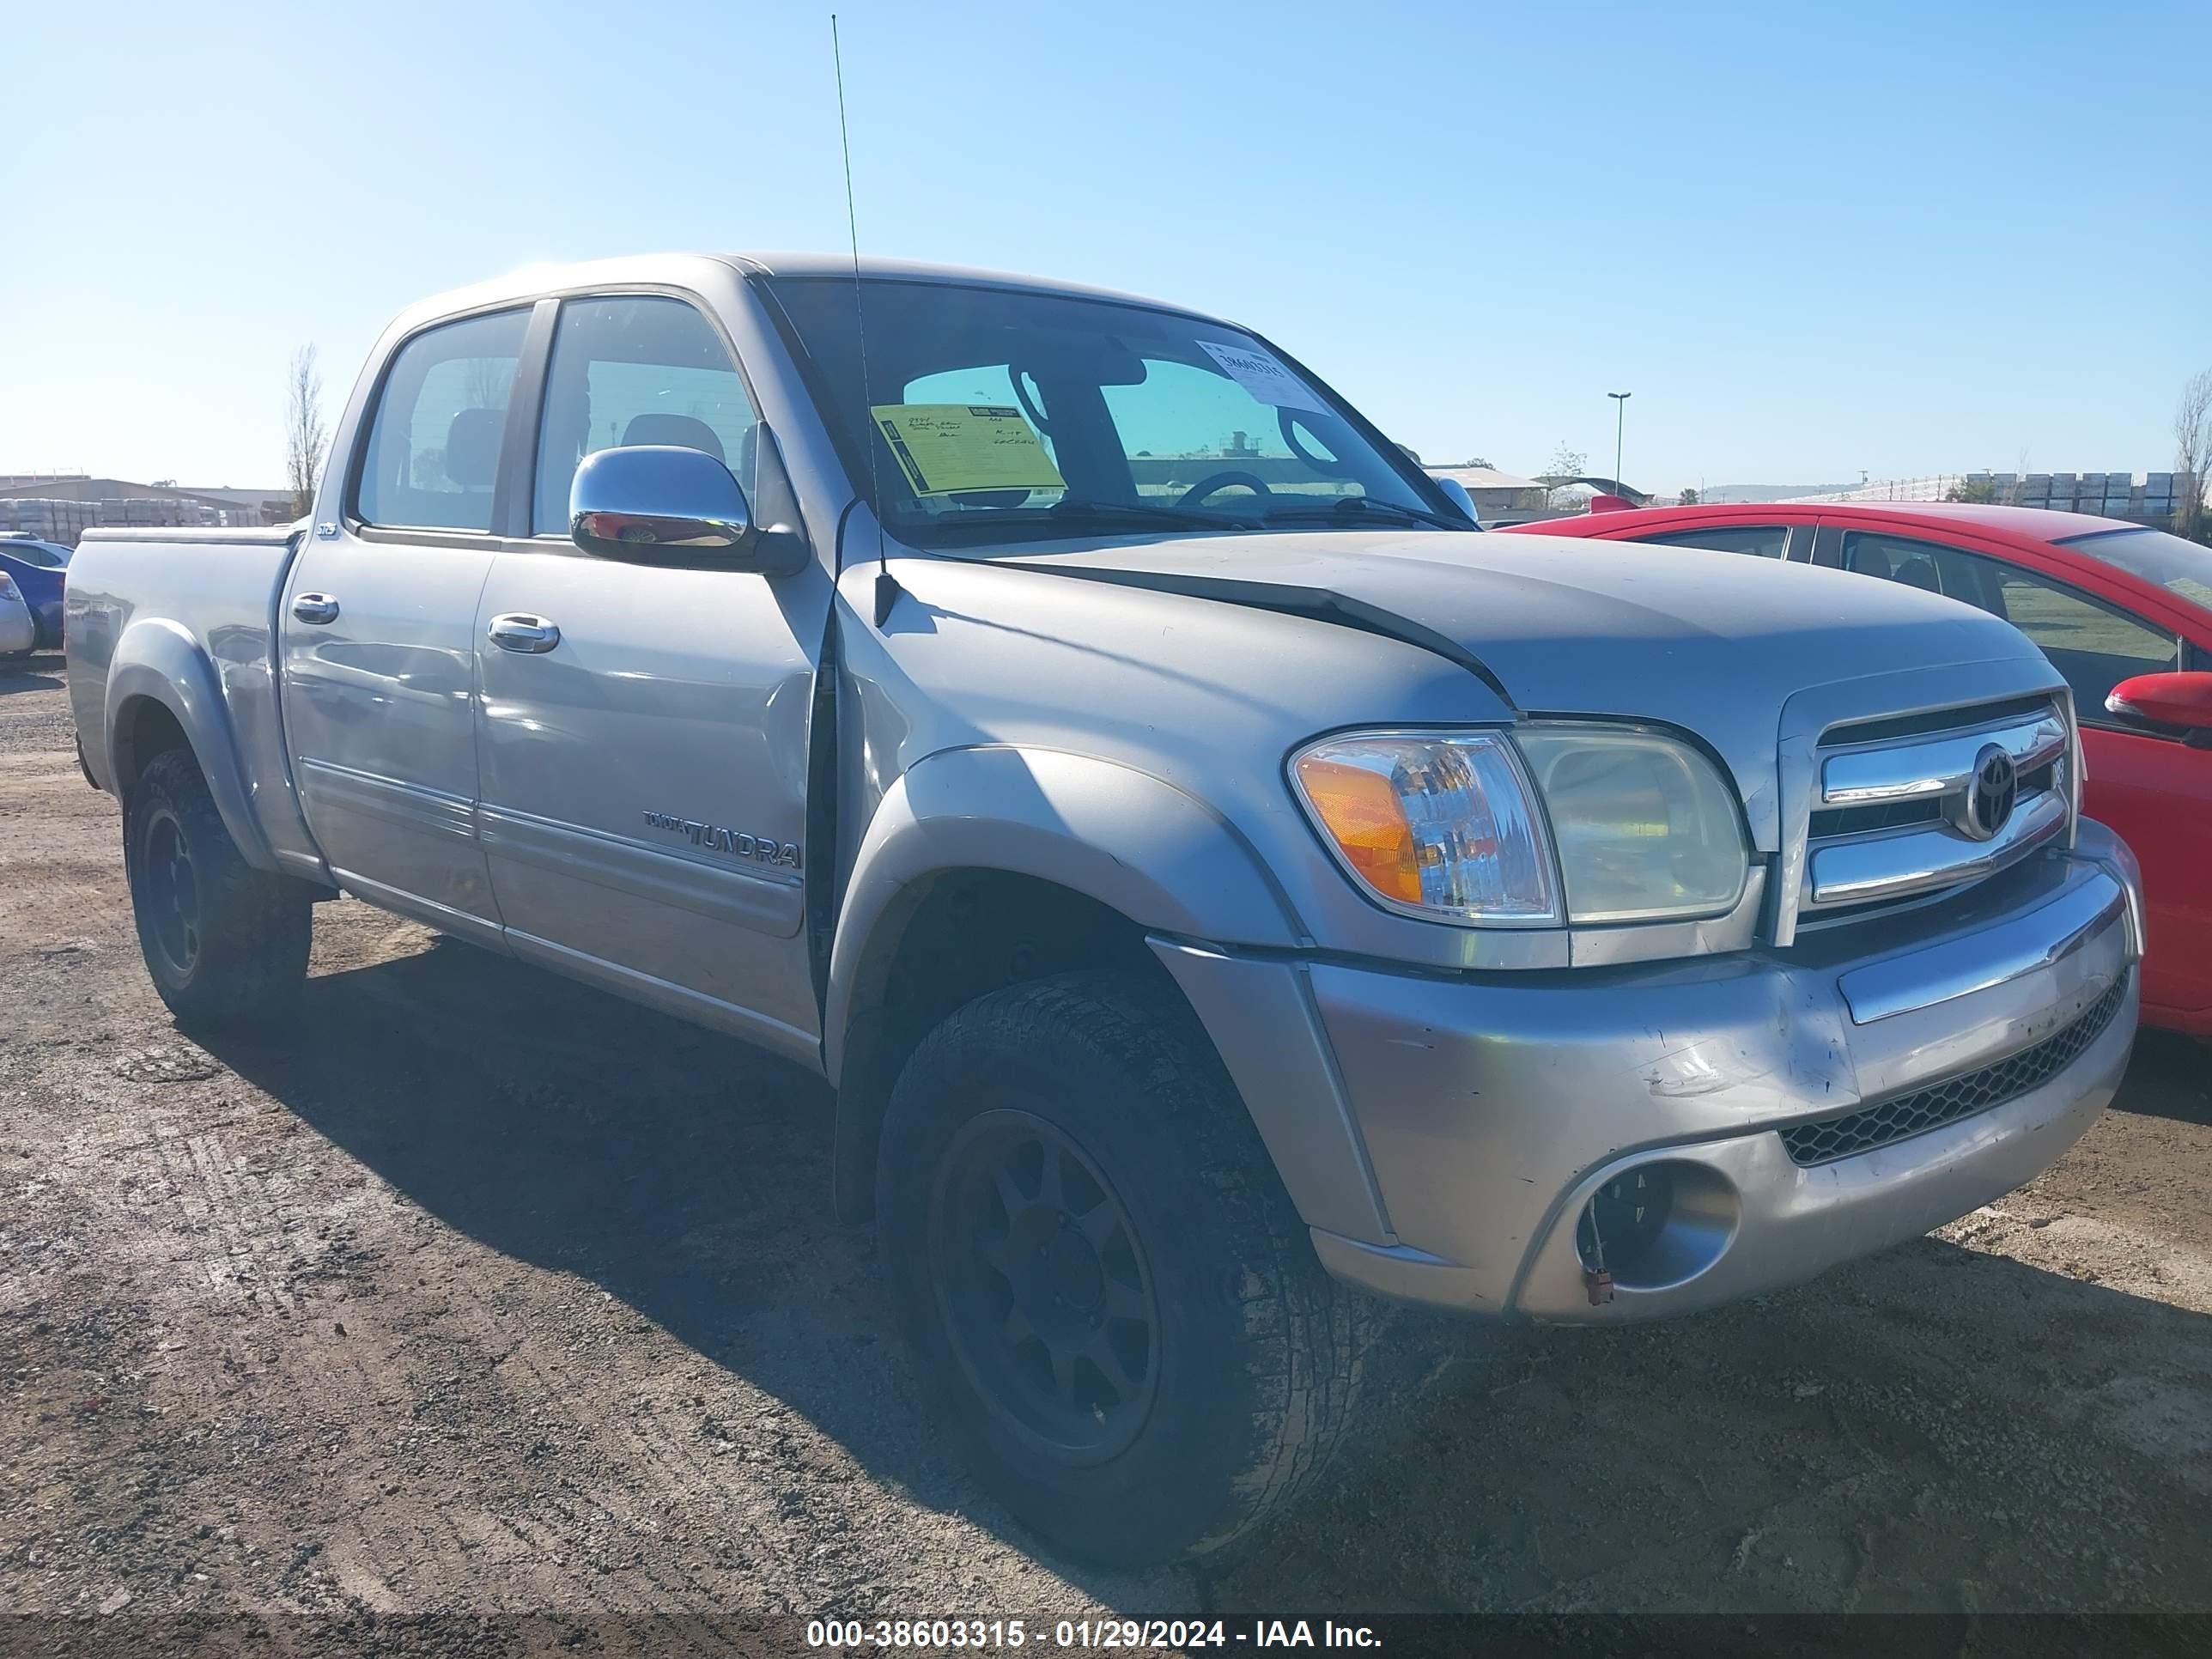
887, 590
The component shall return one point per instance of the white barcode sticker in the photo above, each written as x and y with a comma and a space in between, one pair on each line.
1264, 378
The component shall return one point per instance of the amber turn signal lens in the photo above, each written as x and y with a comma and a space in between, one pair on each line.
1437, 825
1360, 809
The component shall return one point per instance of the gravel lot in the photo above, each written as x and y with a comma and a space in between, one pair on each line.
481, 1292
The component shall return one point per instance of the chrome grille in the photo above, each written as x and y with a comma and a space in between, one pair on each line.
1960, 1096
1893, 814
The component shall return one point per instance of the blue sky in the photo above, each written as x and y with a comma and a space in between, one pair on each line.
1899, 238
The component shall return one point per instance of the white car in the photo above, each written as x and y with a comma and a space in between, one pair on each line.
18, 633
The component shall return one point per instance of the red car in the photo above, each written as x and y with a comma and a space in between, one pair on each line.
2123, 611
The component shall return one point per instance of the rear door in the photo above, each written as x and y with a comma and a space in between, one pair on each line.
644, 727
378, 628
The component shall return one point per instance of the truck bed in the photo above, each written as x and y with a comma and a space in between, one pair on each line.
190, 613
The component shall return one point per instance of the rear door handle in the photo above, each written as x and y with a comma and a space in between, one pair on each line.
519, 631
318, 608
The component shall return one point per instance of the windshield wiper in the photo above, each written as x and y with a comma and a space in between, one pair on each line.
1072, 509
1357, 506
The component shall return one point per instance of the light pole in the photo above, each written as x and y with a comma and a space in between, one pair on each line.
1619, 425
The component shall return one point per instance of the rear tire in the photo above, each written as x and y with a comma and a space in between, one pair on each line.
225, 944
1090, 1248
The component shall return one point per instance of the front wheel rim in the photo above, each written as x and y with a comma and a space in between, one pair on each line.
1043, 1286
172, 893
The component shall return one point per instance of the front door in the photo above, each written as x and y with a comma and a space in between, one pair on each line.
378, 628
2156, 791
644, 728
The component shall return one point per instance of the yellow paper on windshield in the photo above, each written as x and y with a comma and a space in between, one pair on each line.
945, 447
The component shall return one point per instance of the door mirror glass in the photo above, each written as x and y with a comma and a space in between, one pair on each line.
655, 503
2183, 700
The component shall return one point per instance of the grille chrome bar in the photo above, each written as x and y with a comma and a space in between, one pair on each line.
1939, 765
1960, 967
1899, 710
1913, 862
1886, 820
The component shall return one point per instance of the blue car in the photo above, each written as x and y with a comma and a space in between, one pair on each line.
40, 570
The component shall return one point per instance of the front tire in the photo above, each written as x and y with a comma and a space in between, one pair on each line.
1089, 1246
225, 944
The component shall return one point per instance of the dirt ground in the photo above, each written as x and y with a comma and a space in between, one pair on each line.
480, 1292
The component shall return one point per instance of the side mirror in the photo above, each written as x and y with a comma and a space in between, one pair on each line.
1457, 494
659, 504
2181, 700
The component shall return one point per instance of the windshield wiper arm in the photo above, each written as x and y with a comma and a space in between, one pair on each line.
1145, 513
1353, 506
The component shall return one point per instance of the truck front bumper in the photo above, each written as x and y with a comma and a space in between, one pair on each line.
1785, 1111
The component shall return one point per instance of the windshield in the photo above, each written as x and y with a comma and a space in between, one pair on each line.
41, 554
1003, 416
2179, 567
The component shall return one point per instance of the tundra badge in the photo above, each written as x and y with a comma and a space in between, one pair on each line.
716, 839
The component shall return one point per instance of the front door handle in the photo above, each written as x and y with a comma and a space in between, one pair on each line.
519, 631
317, 608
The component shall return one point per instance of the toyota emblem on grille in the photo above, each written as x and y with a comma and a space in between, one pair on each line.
1990, 794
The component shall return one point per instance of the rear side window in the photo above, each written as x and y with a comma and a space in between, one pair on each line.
433, 443
1764, 541
2094, 645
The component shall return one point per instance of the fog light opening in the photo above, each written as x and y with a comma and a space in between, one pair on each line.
1654, 1226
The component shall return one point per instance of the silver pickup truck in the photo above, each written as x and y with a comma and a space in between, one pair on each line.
1228, 893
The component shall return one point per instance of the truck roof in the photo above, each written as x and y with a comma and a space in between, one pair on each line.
528, 281
841, 264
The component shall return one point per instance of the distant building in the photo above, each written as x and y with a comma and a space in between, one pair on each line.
275, 506
1739, 494
1499, 497
61, 507
2140, 497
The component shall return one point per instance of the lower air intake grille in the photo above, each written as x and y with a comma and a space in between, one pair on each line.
1961, 1096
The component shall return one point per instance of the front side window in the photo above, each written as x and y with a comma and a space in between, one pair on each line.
1762, 541
2094, 645
433, 443
1002, 417
637, 370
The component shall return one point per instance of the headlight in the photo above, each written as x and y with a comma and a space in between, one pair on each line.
1644, 827
1445, 826
1641, 827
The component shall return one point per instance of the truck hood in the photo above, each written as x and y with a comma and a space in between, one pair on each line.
1713, 643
